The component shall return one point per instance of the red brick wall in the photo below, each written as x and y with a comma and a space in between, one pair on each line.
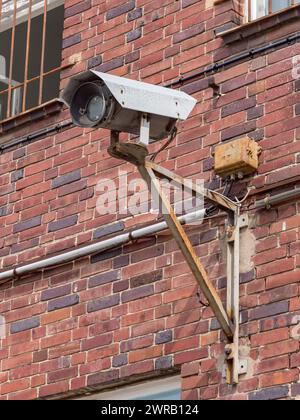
134, 312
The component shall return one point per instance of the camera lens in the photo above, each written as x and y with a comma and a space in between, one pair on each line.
88, 106
95, 108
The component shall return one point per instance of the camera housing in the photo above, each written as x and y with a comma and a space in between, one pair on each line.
124, 105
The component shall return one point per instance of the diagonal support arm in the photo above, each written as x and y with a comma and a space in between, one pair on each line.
186, 247
212, 196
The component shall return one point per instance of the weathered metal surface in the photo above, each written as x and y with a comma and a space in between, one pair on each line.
12, 48
27, 55
237, 157
188, 251
41, 83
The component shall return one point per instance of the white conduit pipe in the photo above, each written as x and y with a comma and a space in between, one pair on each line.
97, 247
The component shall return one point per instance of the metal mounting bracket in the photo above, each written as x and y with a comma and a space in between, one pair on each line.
228, 318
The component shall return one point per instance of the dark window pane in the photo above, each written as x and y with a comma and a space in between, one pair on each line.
3, 105
55, 22
32, 97
51, 86
19, 53
36, 36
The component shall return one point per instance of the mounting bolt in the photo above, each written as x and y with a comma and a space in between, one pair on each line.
229, 352
229, 231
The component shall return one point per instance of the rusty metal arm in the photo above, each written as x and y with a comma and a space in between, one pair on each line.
228, 318
187, 249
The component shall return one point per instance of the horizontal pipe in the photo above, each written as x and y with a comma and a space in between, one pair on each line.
128, 237
213, 68
97, 247
270, 201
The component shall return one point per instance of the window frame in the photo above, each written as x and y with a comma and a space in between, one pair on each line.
138, 391
33, 8
249, 7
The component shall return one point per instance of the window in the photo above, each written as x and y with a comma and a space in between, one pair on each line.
168, 389
30, 54
261, 8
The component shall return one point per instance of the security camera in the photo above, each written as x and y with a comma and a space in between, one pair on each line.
102, 100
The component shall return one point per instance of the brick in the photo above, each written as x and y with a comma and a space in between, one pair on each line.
17, 175
62, 374
121, 261
238, 106
95, 61
151, 253
102, 378
189, 33
56, 292
66, 179
277, 349
120, 10
25, 325
120, 360
238, 130
71, 40
275, 393
77, 8
108, 230
96, 342
107, 302
270, 337
111, 65
135, 14
137, 293
269, 365
145, 279
295, 388
107, 255
275, 267
27, 224
63, 223
104, 278
134, 35
131, 57
265, 311
53, 389
40, 356
137, 368
164, 337
63, 302
162, 363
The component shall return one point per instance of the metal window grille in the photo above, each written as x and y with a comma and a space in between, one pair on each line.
260, 8
24, 24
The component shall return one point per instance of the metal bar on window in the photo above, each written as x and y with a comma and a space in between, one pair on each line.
12, 47
27, 55
0, 11
43, 52
270, 7
48, 73
249, 10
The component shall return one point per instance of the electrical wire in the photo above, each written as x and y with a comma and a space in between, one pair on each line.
168, 142
226, 192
